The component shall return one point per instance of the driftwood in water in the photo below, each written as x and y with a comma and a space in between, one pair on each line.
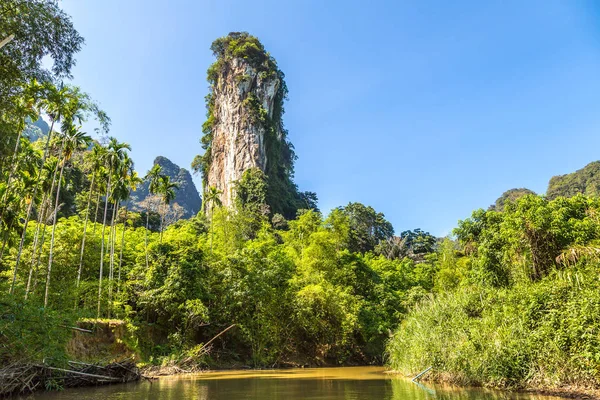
31, 377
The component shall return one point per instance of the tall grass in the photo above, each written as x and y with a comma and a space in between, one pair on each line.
544, 334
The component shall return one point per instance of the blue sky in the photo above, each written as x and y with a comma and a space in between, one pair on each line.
425, 110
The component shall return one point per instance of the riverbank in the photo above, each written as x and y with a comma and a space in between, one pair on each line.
450, 382
28, 378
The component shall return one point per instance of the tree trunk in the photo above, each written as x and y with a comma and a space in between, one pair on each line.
96, 214
162, 219
146, 235
35, 189
11, 173
211, 229
102, 247
41, 247
113, 237
54, 223
39, 259
35, 243
6, 235
87, 217
121, 255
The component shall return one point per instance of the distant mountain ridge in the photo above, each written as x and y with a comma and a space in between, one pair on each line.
583, 181
509, 195
186, 196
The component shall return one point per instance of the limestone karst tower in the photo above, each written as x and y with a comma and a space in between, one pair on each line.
244, 127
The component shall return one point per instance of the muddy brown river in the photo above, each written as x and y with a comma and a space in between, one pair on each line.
350, 383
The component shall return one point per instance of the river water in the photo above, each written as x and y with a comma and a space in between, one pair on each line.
351, 383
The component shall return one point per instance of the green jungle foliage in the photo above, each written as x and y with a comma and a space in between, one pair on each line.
515, 301
295, 295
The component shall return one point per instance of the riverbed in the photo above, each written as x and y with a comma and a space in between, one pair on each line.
349, 383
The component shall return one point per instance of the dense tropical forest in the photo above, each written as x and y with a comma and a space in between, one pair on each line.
510, 299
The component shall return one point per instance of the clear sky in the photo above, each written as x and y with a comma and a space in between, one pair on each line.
425, 110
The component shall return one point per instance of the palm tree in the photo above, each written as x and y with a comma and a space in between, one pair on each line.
114, 157
25, 165
67, 105
212, 197
25, 107
133, 182
153, 176
9, 218
167, 191
73, 141
96, 158
54, 104
120, 193
50, 169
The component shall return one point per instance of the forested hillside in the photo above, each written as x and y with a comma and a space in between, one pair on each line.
585, 181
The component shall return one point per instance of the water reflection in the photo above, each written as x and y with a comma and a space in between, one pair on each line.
360, 383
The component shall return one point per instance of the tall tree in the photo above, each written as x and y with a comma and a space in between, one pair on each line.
55, 103
96, 158
41, 30
367, 227
153, 176
167, 192
212, 198
73, 141
132, 182
120, 193
116, 152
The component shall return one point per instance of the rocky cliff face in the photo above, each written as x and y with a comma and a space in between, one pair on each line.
36, 130
244, 128
238, 136
186, 196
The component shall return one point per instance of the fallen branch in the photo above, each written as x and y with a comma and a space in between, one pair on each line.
85, 364
76, 329
222, 332
84, 374
416, 378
